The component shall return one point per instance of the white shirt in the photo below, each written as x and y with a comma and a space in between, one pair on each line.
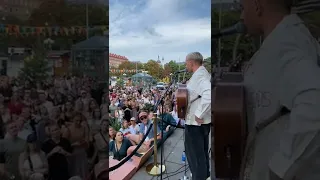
199, 84
284, 73
136, 128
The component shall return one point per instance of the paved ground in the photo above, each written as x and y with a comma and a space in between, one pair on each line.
173, 148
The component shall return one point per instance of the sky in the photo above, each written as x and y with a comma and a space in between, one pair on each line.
145, 29
223, 1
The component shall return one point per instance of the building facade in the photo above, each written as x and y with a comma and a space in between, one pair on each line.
115, 60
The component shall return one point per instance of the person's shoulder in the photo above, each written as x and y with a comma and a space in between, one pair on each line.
111, 143
126, 140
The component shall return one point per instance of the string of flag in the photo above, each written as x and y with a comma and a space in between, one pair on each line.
9, 29
124, 70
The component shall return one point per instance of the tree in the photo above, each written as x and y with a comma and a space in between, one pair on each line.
35, 66
207, 64
312, 21
131, 65
170, 67
120, 82
246, 46
154, 69
63, 13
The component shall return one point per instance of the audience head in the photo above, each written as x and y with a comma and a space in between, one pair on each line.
32, 143
54, 130
125, 124
133, 120
12, 128
119, 137
104, 125
143, 116
112, 133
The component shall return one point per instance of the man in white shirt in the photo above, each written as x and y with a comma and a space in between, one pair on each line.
198, 117
282, 75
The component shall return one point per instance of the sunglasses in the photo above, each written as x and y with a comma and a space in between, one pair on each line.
143, 117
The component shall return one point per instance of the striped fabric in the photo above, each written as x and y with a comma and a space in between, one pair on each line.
305, 6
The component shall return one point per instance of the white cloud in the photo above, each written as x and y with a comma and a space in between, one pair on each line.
142, 31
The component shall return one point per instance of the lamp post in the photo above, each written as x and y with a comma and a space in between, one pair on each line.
219, 41
159, 62
87, 18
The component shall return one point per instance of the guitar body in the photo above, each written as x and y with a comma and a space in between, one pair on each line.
230, 127
182, 101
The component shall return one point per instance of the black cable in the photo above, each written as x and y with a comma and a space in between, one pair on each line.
185, 161
177, 170
178, 173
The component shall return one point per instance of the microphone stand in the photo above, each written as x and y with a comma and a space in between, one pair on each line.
153, 168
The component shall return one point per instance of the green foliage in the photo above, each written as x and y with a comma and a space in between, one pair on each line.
148, 107
154, 69
35, 66
246, 46
115, 124
312, 21
120, 82
207, 64
62, 13
158, 71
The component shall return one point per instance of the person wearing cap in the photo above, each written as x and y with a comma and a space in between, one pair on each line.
33, 163
145, 124
134, 125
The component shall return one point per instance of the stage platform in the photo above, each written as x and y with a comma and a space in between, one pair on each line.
173, 148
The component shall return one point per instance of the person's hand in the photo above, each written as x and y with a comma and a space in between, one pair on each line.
167, 128
198, 120
56, 149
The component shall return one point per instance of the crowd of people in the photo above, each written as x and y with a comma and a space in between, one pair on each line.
134, 109
58, 129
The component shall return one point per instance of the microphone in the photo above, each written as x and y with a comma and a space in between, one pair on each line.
238, 28
180, 71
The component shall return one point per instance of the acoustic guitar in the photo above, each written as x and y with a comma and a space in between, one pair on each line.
229, 125
182, 101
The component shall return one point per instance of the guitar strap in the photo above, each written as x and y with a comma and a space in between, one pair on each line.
253, 134
189, 105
